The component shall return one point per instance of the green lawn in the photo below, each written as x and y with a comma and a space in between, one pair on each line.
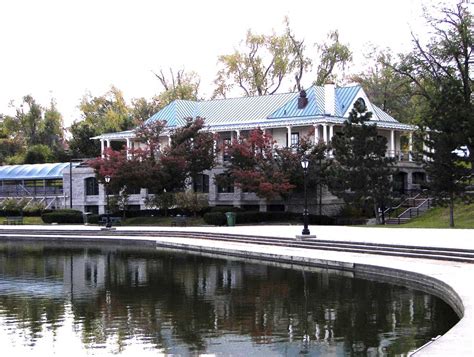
439, 218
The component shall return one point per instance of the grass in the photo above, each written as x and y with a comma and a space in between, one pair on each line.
438, 217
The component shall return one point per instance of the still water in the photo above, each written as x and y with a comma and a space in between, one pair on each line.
70, 301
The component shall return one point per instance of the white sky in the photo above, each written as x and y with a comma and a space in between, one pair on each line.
63, 48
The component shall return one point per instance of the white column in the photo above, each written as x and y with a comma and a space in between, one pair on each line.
289, 135
238, 134
392, 143
231, 136
410, 146
316, 133
325, 133
331, 131
128, 147
169, 140
102, 147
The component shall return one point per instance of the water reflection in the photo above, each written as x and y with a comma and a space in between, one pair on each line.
109, 300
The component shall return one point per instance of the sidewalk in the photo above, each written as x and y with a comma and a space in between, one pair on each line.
445, 276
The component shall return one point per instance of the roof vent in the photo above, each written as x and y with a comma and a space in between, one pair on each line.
302, 100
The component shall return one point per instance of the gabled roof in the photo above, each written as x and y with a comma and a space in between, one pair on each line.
268, 111
33, 171
345, 97
314, 108
223, 111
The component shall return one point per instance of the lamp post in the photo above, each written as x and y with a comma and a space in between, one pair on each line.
107, 181
304, 165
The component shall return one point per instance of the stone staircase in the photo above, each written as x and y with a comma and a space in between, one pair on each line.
408, 209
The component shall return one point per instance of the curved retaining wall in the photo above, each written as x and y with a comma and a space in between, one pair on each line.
456, 342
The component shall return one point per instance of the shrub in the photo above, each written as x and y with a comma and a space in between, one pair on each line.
93, 218
215, 218
62, 216
34, 209
224, 209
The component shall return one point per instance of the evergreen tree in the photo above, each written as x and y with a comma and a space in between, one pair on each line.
361, 173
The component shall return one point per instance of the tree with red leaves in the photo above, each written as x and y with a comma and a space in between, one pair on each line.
159, 169
254, 167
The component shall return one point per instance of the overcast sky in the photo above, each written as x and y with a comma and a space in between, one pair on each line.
61, 49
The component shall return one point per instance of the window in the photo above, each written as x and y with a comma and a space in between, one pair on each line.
226, 155
224, 184
419, 178
295, 140
201, 183
92, 186
94, 209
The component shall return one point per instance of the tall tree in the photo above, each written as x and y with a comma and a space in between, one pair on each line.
35, 131
142, 109
360, 173
332, 55
177, 85
386, 88
259, 67
441, 71
103, 114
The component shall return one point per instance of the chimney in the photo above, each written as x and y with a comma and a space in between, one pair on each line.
302, 100
330, 99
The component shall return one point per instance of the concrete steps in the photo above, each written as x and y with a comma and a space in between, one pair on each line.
125, 236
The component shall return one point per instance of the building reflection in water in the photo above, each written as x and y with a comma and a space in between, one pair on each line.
184, 304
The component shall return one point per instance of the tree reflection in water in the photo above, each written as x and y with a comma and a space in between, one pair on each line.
187, 304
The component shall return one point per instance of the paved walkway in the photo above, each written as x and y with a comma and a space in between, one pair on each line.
457, 277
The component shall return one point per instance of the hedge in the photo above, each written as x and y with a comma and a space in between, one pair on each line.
62, 216
261, 217
215, 218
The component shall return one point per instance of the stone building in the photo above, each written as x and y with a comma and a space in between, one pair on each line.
318, 112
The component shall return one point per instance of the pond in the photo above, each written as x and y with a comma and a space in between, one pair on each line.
100, 300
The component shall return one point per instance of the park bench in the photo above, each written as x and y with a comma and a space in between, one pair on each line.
113, 220
179, 221
13, 220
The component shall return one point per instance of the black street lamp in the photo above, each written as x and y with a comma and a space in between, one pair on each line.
304, 165
107, 181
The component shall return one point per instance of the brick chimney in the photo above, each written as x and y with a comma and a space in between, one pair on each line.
302, 100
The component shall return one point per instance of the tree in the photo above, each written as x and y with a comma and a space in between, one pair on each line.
31, 126
447, 169
143, 109
394, 93
254, 167
38, 154
259, 67
191, 201
108, 113
162, 171
180, 85
441, 72
149, 134
193, 145
332, 55
360, 173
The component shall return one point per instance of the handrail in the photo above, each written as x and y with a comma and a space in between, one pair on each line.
417, 208
388, 210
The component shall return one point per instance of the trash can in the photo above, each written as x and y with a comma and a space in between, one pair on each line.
230, 218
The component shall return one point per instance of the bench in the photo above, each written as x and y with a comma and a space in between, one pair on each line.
113, 220
179, 221
13, 220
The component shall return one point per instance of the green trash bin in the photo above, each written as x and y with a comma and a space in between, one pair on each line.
230, 218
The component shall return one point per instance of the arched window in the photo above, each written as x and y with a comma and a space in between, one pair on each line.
92, 186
